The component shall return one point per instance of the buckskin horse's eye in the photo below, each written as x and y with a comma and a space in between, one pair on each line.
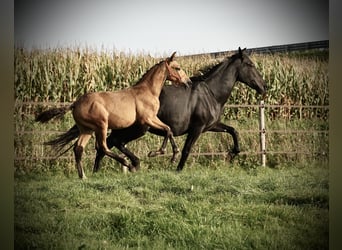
177, 68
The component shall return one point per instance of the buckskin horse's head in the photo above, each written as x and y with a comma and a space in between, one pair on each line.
247, 73
175, 74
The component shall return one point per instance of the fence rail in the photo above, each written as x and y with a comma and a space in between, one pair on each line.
323, 44
20, 103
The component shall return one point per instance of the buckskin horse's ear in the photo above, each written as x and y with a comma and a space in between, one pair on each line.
172, 56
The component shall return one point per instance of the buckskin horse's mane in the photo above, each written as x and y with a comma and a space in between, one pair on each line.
148, 72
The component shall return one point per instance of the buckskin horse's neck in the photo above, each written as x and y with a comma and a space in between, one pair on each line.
222, 81
155, 80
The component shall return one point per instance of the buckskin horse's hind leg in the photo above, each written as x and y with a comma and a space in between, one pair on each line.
78, 151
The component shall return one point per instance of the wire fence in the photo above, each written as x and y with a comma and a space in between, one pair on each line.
323, 44
274, 136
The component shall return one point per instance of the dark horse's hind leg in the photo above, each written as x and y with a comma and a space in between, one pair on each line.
100, 154
119, 139
103, 148
192, 137
221, 127
161, 151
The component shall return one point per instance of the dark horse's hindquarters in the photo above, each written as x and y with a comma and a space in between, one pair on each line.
194, 110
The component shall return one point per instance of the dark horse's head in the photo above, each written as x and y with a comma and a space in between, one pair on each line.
247, 73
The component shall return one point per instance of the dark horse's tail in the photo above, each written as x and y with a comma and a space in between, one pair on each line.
62, 140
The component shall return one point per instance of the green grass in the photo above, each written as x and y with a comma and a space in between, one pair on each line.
204, 207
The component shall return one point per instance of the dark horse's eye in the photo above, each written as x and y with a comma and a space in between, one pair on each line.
177, 68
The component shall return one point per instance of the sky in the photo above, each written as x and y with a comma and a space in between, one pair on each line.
161, 27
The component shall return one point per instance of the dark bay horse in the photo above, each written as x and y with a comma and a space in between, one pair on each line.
99, 111
189, 111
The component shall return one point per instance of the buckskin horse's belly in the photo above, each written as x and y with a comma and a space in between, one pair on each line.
121, 120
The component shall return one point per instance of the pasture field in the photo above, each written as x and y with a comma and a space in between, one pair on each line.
213, 203
207, 206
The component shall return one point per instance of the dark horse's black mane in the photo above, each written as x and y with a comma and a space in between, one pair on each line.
208, 70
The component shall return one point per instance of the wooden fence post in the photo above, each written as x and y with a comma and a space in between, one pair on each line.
262, 133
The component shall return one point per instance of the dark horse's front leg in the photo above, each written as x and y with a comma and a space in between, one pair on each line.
221, 127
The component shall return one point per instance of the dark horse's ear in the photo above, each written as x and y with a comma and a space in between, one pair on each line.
240, 51
170, 59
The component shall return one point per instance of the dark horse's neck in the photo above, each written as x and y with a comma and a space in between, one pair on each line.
222, 80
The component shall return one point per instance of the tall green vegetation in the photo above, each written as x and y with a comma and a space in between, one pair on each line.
62, 75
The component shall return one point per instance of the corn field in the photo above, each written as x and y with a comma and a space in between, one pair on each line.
62, 75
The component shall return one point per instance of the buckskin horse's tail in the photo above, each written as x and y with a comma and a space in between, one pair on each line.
62, 140
51, 113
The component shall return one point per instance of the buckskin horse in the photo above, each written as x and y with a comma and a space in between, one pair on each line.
191, 111
99, 111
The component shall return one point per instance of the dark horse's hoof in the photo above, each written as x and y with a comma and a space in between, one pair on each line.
174, 157
232, 154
